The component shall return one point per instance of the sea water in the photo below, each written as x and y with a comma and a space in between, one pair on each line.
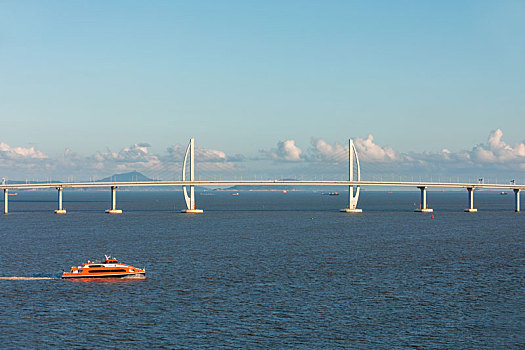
265, 270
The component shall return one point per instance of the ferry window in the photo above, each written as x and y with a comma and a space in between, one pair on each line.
96, 271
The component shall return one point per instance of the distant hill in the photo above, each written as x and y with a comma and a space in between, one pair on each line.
283, 187
126, 177
262, 187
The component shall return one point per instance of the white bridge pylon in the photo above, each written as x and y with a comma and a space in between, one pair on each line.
190, 200
352, 197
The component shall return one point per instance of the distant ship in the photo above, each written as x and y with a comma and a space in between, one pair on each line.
235, 194
503, 193
331, 194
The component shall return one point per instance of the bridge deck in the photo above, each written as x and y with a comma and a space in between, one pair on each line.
262, 182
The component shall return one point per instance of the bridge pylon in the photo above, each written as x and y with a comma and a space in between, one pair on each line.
352, 198
190, 200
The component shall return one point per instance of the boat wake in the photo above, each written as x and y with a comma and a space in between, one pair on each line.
16, 278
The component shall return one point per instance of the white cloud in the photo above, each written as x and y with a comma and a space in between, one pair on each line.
286, 151
368, 150
210, 155
497, 151
20, 160
207, 160
19, 153
138, 153
136, 157
176, 154
322, 151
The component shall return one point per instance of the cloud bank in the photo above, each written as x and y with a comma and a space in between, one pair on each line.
323, 152
494, 151
20, 163
19, 153
493, 157
287, 157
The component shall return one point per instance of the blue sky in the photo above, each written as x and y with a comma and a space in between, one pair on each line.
245, 77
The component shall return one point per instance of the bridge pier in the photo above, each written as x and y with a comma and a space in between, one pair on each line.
517, 200
471, 208
60, 210
6, 200
351, 207
114, 209
192, 209
423, 206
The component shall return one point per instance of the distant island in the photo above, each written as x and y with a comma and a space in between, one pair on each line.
124, 177
286, 188
132, 176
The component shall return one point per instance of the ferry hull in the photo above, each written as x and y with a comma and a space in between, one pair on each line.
105, 275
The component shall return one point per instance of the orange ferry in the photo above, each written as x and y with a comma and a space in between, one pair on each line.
110, 267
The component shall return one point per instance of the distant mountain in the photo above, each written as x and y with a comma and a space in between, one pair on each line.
126, 177
283, 187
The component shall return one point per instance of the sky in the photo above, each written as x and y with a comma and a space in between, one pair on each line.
267, 88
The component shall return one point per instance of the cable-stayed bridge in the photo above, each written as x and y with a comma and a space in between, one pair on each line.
353, 183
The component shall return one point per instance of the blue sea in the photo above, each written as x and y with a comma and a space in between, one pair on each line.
264, 270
